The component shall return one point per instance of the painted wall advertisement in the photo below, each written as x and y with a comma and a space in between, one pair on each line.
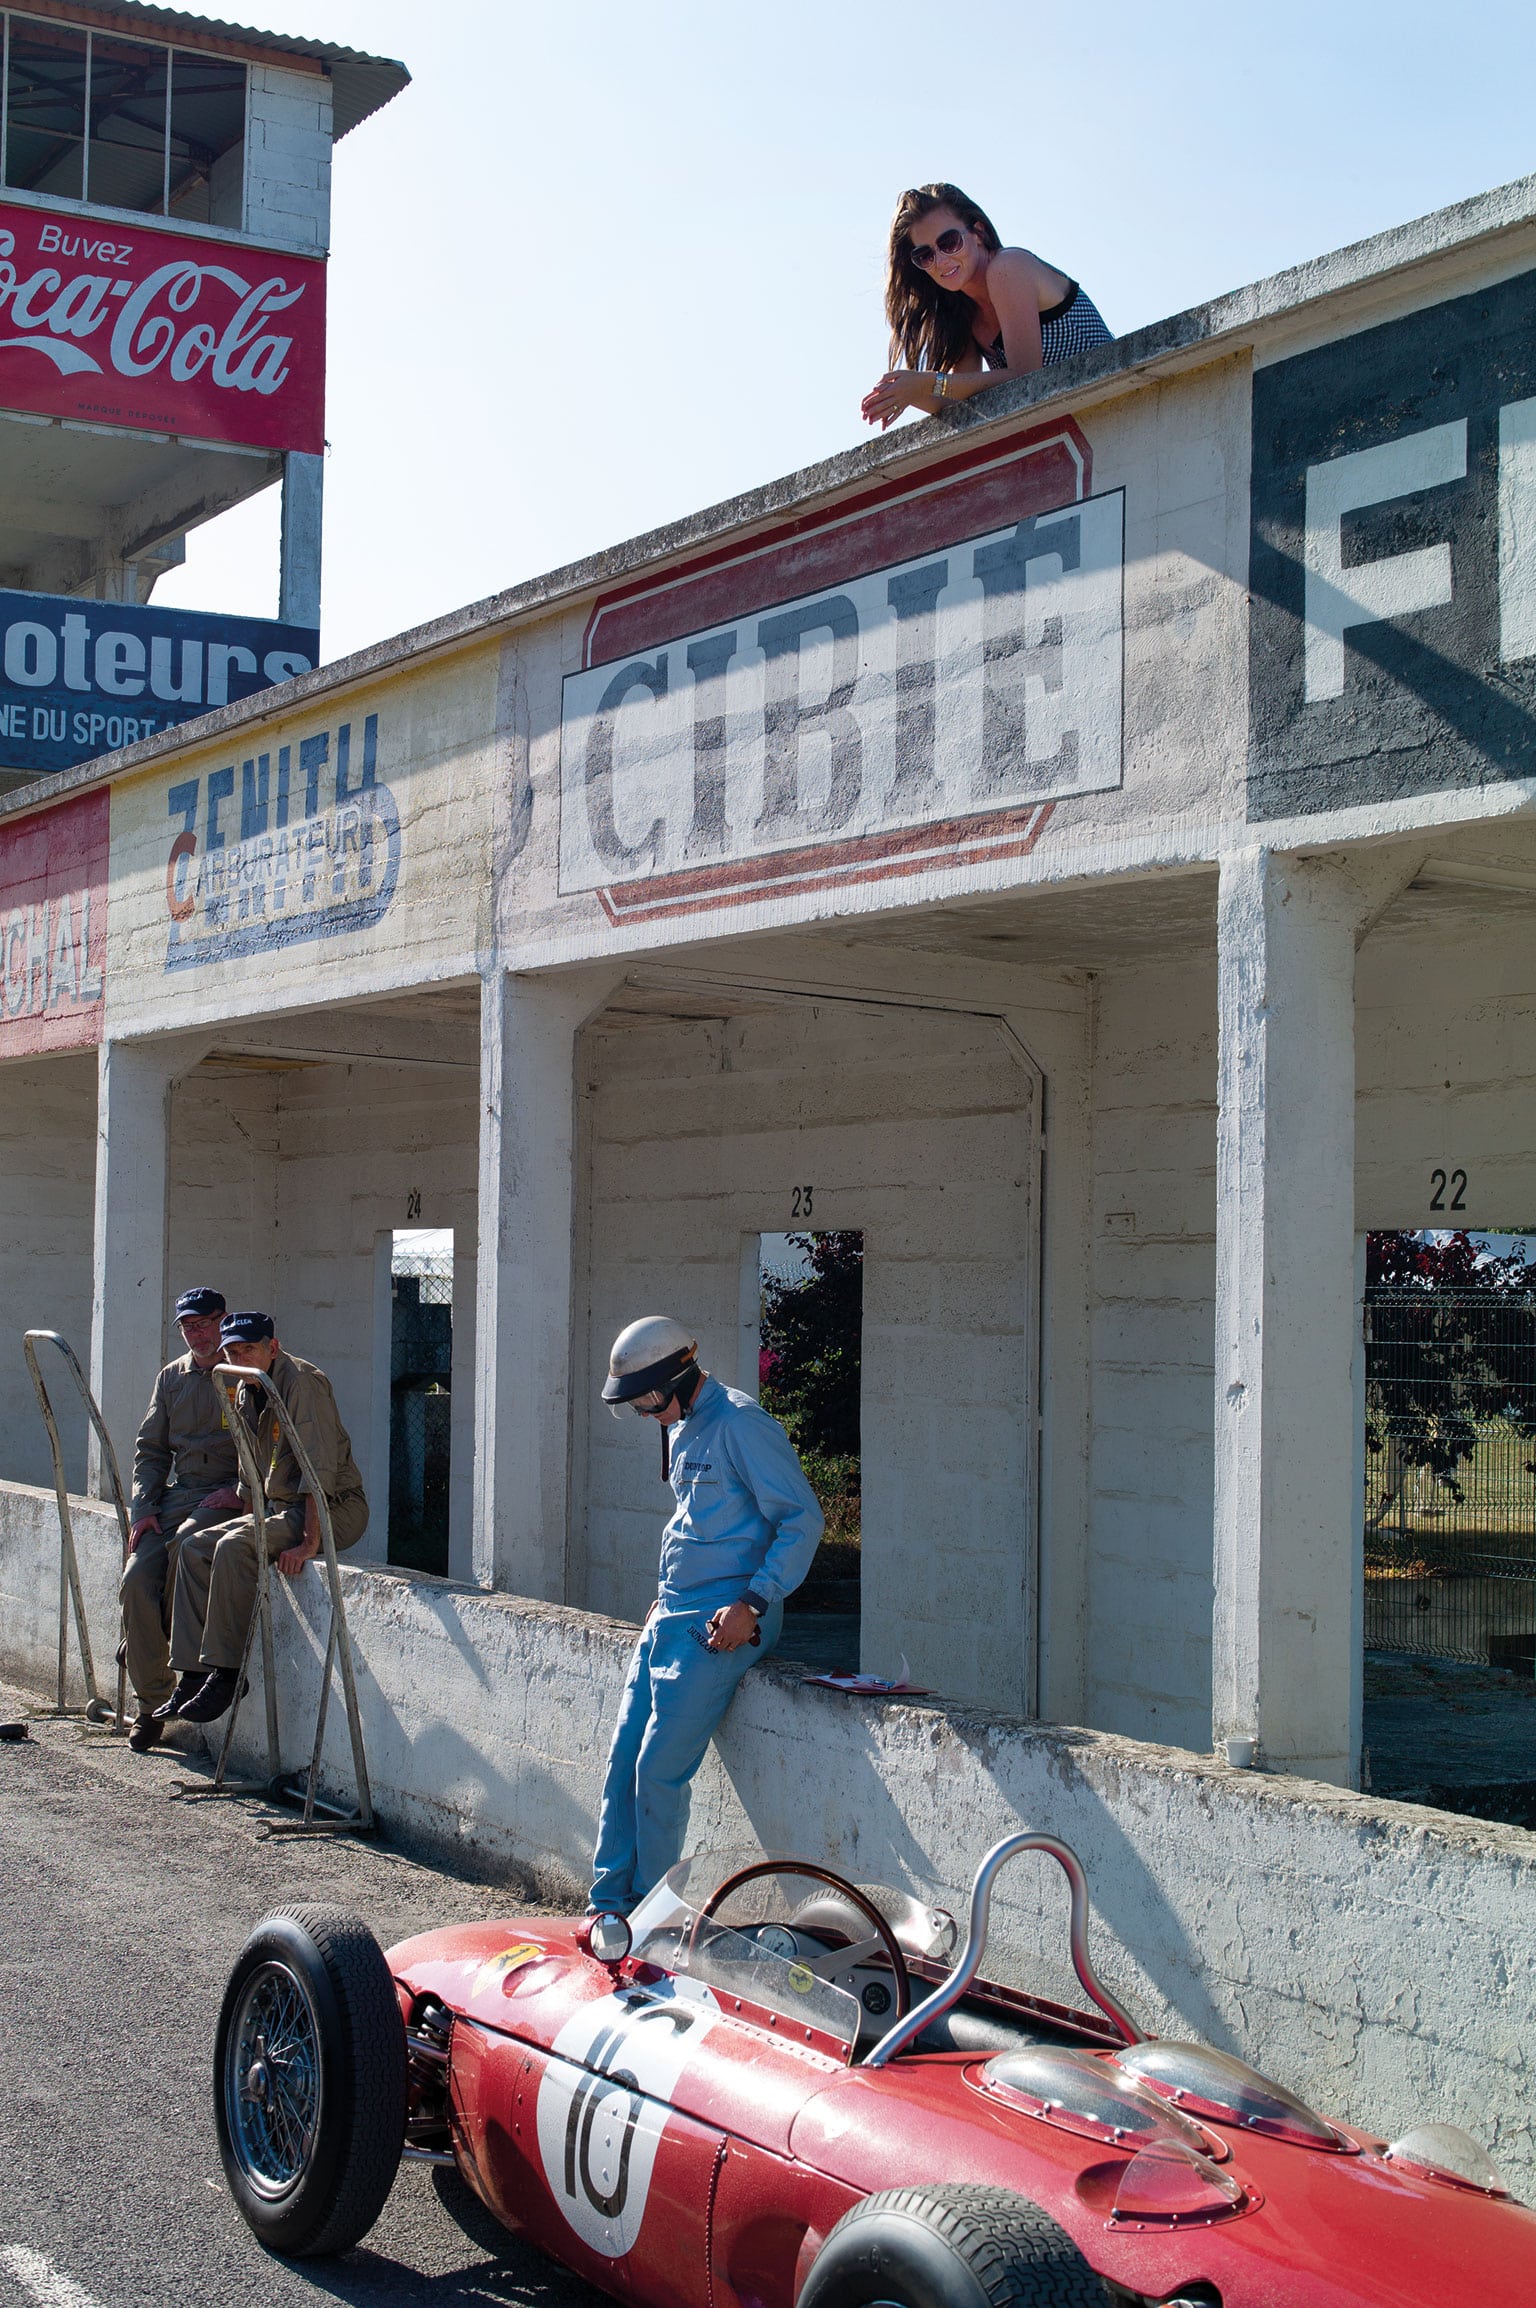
296, 843
110, 323
1393, 560
908, 687
53, 918
79, 678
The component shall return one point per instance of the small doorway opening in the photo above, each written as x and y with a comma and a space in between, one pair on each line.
420, 1398
809, 1375
1450, 1521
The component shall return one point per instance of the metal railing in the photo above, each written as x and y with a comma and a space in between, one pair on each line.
319, 1816
71, 1596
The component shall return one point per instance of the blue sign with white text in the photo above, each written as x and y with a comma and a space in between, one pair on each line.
79, 678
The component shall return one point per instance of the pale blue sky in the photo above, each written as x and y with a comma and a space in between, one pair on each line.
601, 265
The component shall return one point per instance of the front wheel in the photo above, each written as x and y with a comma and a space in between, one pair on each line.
310, 2081
959, 2247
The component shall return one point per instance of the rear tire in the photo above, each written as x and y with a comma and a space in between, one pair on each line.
959, 2247
310, 2081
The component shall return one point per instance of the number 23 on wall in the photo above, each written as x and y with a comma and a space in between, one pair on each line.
801, 1202
1454, 1182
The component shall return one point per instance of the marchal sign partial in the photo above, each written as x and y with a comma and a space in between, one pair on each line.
921, 710
118, 324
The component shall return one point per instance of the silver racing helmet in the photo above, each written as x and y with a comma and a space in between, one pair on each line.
654, 1356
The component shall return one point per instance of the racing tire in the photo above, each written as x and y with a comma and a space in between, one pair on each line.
309, 2079
959, 2247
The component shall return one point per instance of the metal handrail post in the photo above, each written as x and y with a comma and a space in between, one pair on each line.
338, 1646
70, 1592
195, 1791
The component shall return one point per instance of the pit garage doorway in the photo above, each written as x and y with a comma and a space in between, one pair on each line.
810, 1339
705, 1113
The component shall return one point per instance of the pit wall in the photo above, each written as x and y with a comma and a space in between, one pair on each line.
1373, 1956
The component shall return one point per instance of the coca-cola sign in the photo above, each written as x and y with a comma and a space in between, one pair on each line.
114, 324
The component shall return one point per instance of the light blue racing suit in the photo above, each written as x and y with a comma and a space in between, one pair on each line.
745, 1528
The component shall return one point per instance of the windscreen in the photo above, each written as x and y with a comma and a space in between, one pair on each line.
757, 1957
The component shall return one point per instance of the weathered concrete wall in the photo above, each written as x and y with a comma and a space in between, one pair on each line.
1153, 1272
288, 157
1446, 1059
1376, 1957
919, 1129
47, 1189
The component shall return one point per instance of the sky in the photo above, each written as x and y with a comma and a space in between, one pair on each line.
601, 266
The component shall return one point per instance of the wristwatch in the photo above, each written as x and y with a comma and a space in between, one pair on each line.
755, 1604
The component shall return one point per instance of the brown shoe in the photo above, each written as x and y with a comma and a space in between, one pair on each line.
146, 1731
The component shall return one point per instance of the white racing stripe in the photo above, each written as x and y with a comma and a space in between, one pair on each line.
39, 2278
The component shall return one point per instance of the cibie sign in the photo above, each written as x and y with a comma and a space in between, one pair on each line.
921, 712
117, 324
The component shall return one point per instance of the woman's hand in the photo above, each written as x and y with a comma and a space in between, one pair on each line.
898, 389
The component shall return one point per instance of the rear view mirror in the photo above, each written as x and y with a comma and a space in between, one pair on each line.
606, 1937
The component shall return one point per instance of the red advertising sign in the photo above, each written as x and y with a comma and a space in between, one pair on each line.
114, 324
53, 926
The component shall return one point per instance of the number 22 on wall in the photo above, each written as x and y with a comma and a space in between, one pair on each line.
1457, 1184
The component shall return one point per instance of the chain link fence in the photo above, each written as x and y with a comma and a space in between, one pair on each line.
1450, 1473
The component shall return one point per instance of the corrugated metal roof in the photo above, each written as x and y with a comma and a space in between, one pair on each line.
360, 84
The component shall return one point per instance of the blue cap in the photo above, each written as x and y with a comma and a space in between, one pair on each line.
199, 1302
246, 1329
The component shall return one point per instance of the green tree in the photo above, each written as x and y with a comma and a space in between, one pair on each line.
1450, 1347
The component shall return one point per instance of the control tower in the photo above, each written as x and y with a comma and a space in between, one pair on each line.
164, 223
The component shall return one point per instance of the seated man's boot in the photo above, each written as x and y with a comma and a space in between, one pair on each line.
214, 1699
187, 1687
146, 1731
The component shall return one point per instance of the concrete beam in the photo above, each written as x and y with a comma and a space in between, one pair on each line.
128, 1307
523, 1326
303, 509
1286, 1661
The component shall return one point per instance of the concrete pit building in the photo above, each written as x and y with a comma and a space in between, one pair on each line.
1086, 845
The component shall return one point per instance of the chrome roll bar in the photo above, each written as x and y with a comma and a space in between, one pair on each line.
968, 1963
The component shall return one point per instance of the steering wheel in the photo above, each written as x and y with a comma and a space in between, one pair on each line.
836, 1959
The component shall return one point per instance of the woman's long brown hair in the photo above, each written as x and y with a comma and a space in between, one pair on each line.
930, 327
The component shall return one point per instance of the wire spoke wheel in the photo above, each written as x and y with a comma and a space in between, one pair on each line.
310, 2080
272, 2085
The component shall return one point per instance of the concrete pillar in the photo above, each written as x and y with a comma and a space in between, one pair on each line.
303, 507
1286, 1654
524, 1310
128, 1291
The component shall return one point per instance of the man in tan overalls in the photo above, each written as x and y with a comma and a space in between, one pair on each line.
216, 1566
184, 1470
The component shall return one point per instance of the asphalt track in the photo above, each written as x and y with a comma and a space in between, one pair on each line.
120, 1914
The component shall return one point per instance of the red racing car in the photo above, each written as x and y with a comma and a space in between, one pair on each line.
772, 2087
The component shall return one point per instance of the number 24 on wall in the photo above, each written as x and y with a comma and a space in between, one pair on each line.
1457, 1182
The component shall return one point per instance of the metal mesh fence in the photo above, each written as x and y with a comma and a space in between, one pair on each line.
1450, 1473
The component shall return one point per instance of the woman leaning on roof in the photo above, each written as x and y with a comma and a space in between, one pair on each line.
965, 312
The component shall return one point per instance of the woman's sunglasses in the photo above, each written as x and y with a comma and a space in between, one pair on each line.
946, 245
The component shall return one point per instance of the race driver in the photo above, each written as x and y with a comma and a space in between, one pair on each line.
740, 1539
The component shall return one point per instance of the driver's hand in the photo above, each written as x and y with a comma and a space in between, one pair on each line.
731, 1626
144, 1523
292, 1559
